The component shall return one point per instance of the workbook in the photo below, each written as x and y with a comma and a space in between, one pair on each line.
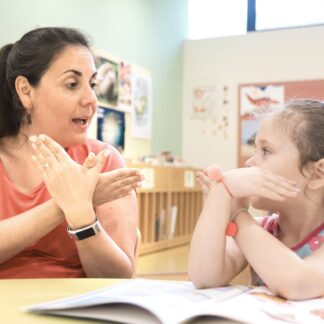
145, 301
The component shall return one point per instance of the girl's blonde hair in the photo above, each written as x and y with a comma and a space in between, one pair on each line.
304, 120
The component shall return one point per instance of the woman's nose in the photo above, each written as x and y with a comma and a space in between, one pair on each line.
89, 97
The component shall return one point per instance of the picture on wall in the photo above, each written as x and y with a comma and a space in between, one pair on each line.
142, 104
111, 127
255, 101
125, 86
203, 102
107, 88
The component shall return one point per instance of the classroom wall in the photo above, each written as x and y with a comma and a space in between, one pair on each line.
282, 55
148, 33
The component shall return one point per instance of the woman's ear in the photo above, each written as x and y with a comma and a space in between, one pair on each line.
317, 181
24, 90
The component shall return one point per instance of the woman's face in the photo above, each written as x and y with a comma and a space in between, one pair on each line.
64, 102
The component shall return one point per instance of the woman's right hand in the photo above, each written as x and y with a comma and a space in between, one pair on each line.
253, 181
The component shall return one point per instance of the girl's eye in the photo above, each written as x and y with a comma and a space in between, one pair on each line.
265, 151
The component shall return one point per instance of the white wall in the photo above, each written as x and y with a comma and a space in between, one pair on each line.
285, 55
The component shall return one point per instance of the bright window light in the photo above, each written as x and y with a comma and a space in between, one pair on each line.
216, 18
288, 13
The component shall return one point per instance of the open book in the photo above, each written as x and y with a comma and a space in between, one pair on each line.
156, 301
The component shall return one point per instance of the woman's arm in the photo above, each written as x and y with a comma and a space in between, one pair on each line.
117, 240
283, 271
19, 232
109, 253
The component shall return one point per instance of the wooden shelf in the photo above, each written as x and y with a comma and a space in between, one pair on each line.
169, 205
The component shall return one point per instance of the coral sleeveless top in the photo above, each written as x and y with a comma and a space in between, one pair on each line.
54, 255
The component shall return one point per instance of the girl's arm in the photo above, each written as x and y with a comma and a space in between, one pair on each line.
214, 259
282, 270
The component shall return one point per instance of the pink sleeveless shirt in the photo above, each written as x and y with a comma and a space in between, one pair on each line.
304, 248
55, 255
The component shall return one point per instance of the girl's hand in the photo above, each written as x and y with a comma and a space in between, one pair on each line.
205, 182
70, 184
253, 181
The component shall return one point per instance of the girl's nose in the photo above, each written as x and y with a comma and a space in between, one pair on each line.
250, 161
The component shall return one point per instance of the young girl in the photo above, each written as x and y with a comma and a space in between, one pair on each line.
285, 251
62, 219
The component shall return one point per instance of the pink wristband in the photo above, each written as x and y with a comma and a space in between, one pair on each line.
215, 173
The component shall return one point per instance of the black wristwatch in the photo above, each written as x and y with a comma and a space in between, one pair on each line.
85, 232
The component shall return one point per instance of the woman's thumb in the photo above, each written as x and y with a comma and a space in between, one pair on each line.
90, 161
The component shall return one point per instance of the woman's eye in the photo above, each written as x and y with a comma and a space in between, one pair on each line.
93, 85
72, 85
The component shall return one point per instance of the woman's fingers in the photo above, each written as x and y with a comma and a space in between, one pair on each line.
95, 162
42, 153
90, 161
52, 148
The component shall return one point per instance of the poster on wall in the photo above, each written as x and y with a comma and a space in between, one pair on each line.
125, 86
203, 101
111, 127
107, 89
255, 101
141, 104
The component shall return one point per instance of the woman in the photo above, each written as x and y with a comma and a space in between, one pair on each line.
47, 81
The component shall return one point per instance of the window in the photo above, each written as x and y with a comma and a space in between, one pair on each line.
288, 13
214, 18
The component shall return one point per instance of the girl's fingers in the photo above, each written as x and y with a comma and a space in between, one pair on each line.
204, 179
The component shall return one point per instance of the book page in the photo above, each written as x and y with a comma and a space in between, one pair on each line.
169, 301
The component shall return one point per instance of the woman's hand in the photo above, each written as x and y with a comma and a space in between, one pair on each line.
116, 184
70, 184
253, 181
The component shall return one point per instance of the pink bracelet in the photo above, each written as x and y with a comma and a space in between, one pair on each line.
215, 173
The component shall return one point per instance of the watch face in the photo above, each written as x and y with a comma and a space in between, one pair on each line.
86, 233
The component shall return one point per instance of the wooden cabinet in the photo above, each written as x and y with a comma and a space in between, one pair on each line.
169, 204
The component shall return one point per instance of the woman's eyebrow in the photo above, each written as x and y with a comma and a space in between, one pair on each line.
78, 73
73, 71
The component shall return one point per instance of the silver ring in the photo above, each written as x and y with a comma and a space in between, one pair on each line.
45, 165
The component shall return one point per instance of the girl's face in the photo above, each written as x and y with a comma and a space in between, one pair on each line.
64, 102
276, 152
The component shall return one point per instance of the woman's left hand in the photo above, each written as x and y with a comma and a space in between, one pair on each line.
71, 185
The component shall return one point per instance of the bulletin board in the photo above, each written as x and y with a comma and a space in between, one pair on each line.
263, 96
